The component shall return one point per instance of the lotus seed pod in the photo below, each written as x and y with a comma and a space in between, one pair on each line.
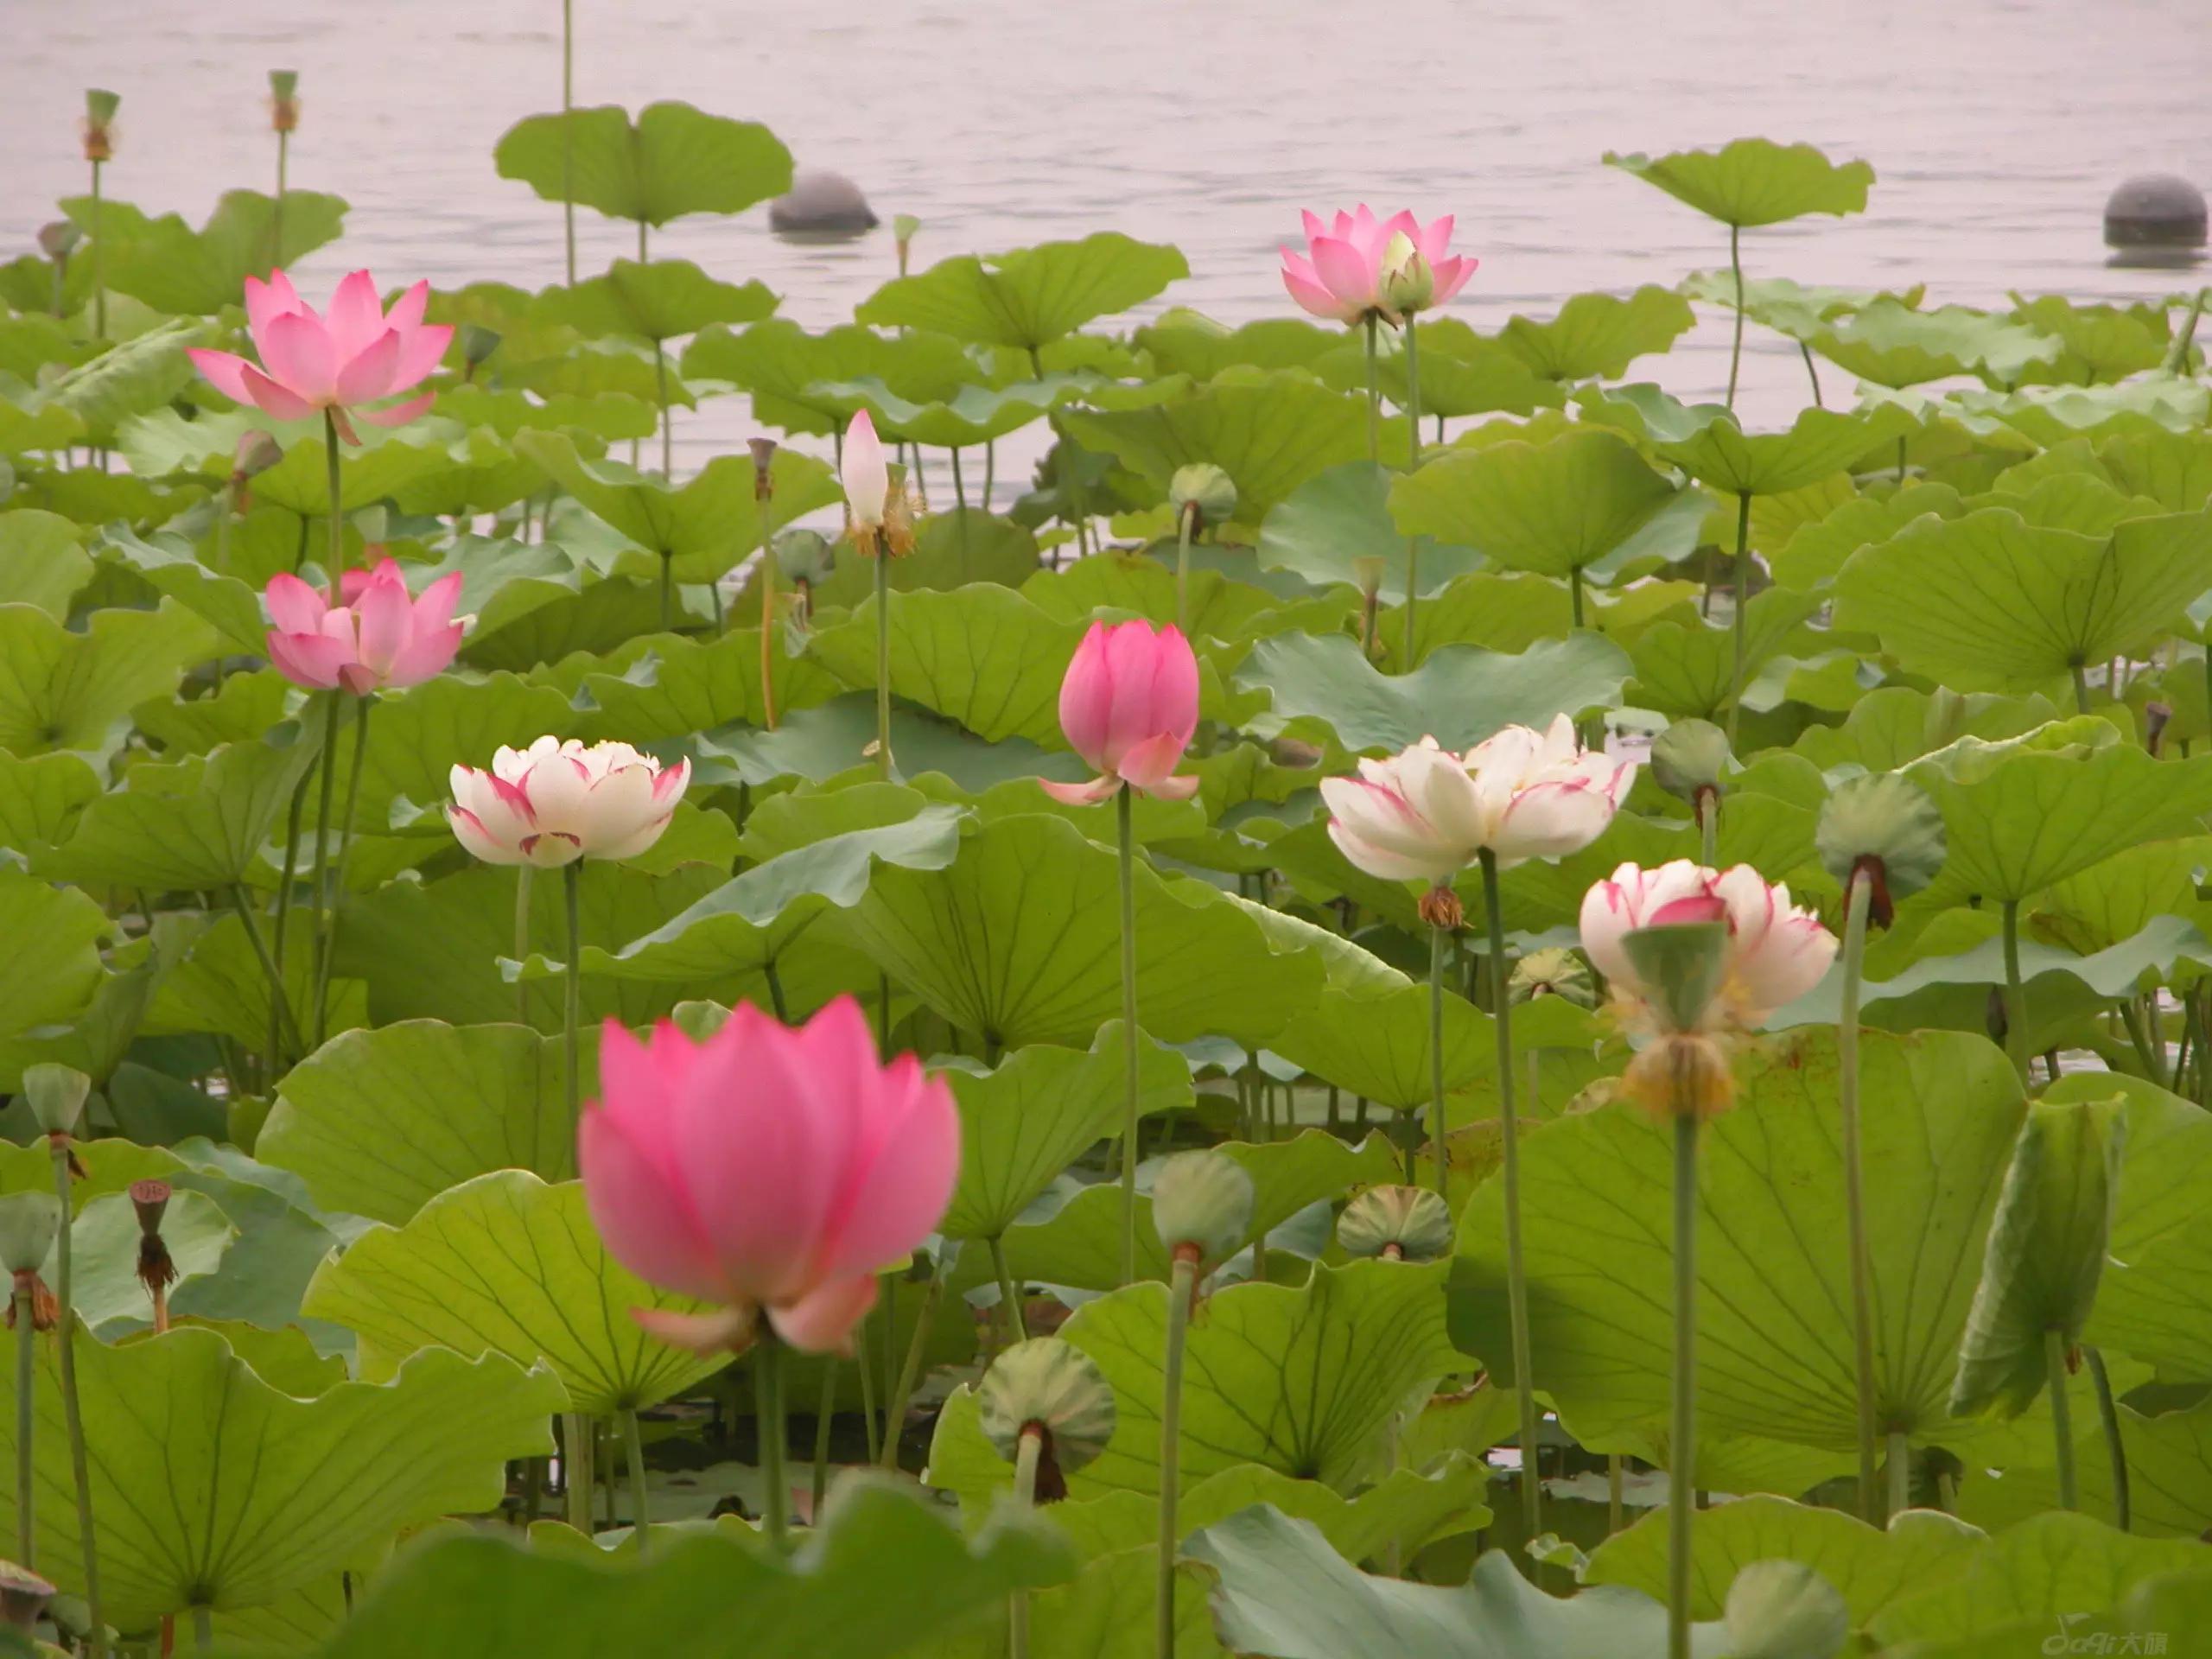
1887, 825
1681, 966
764, 462
1055, 1385
283, 100
1409, 281
1202, 1199
258, 451
478, 343
804, 556
1690, 757
24, 1596
57, 1095
57, 238
1407, 1223
1205, 488
1556, 972
1784, 1610
99, 123
29, 1222
1368, 570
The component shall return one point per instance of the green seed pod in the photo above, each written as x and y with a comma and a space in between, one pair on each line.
1691, 757
284, 83
1368, 570
1408, 281
1202, 486
57, 1095
1202, 1199
24, 1598
258, 451
1682, 965
1412, 1218
29, 1222
1887, 825
804, 556
1055, 1385
100, 106
1784, 1610
57, 238
478, 343
903, 226
1556, 972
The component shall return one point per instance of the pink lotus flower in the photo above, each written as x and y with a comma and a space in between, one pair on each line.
1777, 952
1340, 276
554, 803
337, 361
1426, 814
765, 1168
379, 639
1129, 706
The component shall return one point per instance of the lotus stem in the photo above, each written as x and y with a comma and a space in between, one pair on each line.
318, 884
910, 1368
1374, 396
633, 1440
1736, 345
1742, 609
990, 471
2061, 1421
1900, 1472
523, 873
203, 1627
1616, 1494
1574, 595
1682, 1476
1010, 1292
1027, 1453
100, 288
26, 1417
2016, 994
667, 416
883, 664
642, 254
260, 946
767, 619
1811, 373
863, 1362
1708, 803
1413, 461
575, 1470
2108, 1416
567, 132
329, 951
1181, 1286
1185, 523
1124, 817
276, 219
1517, 1283
1439, 943
825, 1416
280, 1001
667, 589
572, 990
73, 1415
1856, 904
768, 1392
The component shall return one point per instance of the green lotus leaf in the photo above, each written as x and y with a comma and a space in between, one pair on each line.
611, 366
2173, 468
184, 272
1030, 297
1597, 336
104, 1244
63, 689
128, 379
42, 564
1686, 670
2169, 1478
882, 1576
184, 1524
1284, 1592
220, 987
984, 656
381, 1122
661, 301
672, 160
281, 1239
507, 1264
1893, 345
2101, 342
1706, 442
1328, 525
1461, 372
818, 743
389, 462
171, 564
972, 415
1940, 1110
674, 687
788, 370
1816, 551
1022, 1123
196, 823
54, 964
604, 415
47, 427
1992, 602
417, 736
1184, 341
551, 619
41, 798
2153, 1301
952, 550
1873, 1567
1369, 1032
1754, 182
1221, 606
1269, 433
1459, 695
1892, 725
2145, 406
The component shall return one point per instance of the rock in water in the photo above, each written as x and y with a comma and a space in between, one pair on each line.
821, 204
2157, 214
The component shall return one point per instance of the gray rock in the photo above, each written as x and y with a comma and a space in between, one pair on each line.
821, 204
2155, 210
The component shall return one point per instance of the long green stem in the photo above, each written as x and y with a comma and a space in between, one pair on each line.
1900, 1472
1374, 395
2081, 688
334, 483
26, 1417
1736, 346
910, 1368
767, 613
825, 1417
1180, 1289
667, 417
1028, 1452
329, 953
1009, 1291
1616, 1492
1124, 812
1811, 373
1440, 943
864, 1363
2062, 1417
1517, 1283
318, 884
1413, 461
1743, 617
572, 1015
2115, 1448
667, 589
523, 873
568, 135
2016, 994
1185, 522
883, 664
575, 1470
1854, 1201
1708, 826
203, 1628
768, 1392
277, 218
268, 963
100, 288
72, 1416
1682, 1473
633, 1441
279, 999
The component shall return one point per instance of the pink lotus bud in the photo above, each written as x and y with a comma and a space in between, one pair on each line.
1129, 706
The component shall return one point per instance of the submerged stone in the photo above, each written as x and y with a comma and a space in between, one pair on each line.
821, 204
2155, 218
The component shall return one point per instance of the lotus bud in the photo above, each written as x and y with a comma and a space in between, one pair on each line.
157, 1270
257, 452
57, 1095
1885, 827
1368, 570
1396, 1223
1409, 281
1556, 972
1784, 1610
1050, 1389
477, 345
23, 1597
1201, 1201
2155, 717
1682, 961
283, 100
1205, 492
57, 238
99, 123
764, 461
903, 226
804, 557
29, 1222
1690, 759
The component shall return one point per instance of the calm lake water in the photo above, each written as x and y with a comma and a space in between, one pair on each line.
1996, 129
